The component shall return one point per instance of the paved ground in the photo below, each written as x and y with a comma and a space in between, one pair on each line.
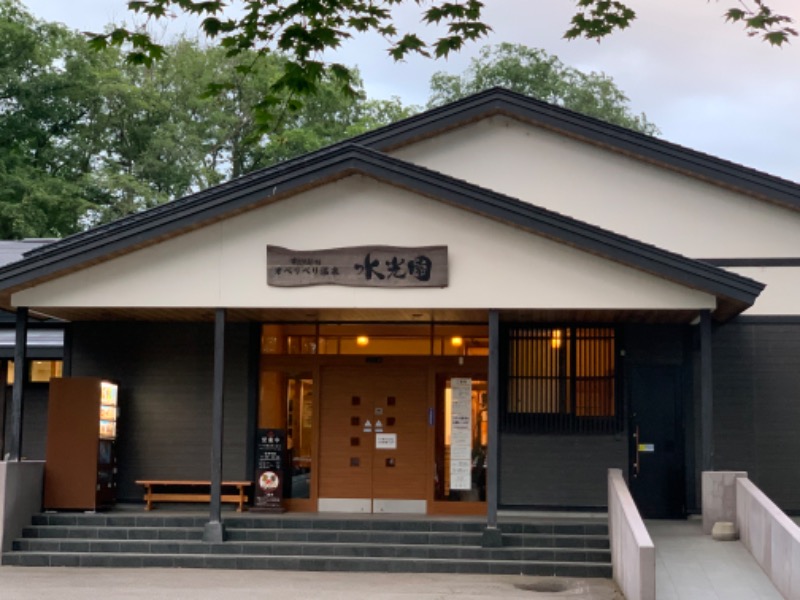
692, 566
24, 583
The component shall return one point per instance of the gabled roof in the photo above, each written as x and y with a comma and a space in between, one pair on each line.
734, 293
499, 101
13, 250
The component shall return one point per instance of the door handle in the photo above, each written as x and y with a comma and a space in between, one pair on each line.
636, 459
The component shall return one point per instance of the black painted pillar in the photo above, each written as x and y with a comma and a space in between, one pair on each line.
214, 530
492, 537
706, 394
18, 393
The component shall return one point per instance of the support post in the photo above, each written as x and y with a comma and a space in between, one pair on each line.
214, 530
706, 394
18, 392
492, 536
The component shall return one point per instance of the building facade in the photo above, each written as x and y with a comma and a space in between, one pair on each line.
484, 306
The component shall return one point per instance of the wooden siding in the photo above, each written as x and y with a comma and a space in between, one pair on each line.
165, 376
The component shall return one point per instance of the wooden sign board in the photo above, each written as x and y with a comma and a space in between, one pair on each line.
360, 266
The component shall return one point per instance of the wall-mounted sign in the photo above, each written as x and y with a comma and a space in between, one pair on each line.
386, 441
360, 266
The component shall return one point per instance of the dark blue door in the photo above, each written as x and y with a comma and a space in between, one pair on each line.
656, 473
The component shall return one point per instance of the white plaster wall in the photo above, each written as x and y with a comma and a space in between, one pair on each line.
491, 264
782, 294
645, 202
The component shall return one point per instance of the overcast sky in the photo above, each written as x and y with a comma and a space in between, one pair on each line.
703, 82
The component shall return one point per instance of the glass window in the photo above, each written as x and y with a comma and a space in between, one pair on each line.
39, 371
376, 339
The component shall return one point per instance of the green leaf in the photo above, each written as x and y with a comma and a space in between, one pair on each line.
211, 26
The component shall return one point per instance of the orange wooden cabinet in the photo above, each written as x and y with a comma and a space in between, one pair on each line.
80, 468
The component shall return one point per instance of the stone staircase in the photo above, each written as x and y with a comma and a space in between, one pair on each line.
314, 542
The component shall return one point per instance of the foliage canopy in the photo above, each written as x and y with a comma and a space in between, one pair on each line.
534, 72
302, 30
86, 137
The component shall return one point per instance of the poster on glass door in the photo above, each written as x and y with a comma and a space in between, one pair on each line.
461, 433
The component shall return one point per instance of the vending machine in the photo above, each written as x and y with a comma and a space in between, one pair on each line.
80, 461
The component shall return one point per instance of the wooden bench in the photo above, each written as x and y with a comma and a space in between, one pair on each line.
201, 494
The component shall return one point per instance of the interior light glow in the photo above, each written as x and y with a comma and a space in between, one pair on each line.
456, 341
555, 339
362, 340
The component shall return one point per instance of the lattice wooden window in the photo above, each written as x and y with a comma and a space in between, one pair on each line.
561, 379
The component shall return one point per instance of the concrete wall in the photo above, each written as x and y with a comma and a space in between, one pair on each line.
771, 537
20, 497
719, 497
633, 554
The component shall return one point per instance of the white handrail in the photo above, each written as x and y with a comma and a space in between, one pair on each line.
633, 553
771, 537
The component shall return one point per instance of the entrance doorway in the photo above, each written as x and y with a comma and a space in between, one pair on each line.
373, 439
367, 410
657, 477
462, 438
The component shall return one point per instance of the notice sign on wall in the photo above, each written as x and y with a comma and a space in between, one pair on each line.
461, 433
361, 266
386, 441
270, 450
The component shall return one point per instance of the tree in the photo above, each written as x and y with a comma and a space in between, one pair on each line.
46, 93
86, 137
302, 30
536, 73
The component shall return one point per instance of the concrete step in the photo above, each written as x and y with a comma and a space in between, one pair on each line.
308, 563
312, 535
417, 551
314, 542
153, 519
